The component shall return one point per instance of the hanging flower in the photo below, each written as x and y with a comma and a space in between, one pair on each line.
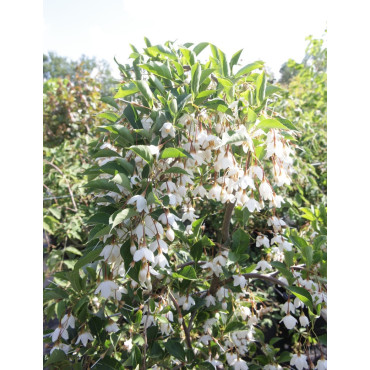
84, 337
141, 204
289, 321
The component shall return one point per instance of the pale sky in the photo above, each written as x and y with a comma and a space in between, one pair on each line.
272, 31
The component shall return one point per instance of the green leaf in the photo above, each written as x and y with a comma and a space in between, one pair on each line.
108, 363
179, 68
225, 82
195, 78
196, 250
73, 250
303, 295
261, 87
120, 216
224, 65
235, 58
158, 84
88, 258
188, 55
152, 198
196, 226
152, 304
204, 75
121, 131
55, 293
270, 123
162, 50
175, 349
131, 114
284, 271
234, 326
158, 69
249, 68
240, 243
122, 179
147, 42
234, 138
200, 47
143, 151
109, 100
102, 184
272, 89
176, 170
145, 90
187, 273
202, 95
98, 231
173, 153
173, 107
185, 98
105, 153
306, 250
284, 357
126, 90
57, 356
286, 123
138, 317
109, 116
218, 105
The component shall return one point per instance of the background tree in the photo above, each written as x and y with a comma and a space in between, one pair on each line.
55, 66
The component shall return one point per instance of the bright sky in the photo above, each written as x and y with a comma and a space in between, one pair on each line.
272, 31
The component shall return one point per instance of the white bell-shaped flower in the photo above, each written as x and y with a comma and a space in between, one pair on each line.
60, 331
68, 321
167, 129
303, 320
288, 306
289, 321
144, 252
112, 327
128, 344
141, 204
262, 240
266, 191
84, 337
299, 361
205, 339
107, 288
322, 364
239, 280
263, 265
170, 234
63, 347
210, 300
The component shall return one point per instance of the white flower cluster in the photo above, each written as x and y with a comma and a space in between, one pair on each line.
167, 203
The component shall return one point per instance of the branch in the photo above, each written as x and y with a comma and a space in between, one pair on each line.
145, 337
67, 182
226, 222
255, 275
189, 264
186, 329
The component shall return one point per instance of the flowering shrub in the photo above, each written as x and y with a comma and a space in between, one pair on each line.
189, 248
304, 103
70, 107
70, 114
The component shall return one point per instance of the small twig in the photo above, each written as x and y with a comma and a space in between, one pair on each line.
186, 329
254, 275
145, 337
67, 182
189, 264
